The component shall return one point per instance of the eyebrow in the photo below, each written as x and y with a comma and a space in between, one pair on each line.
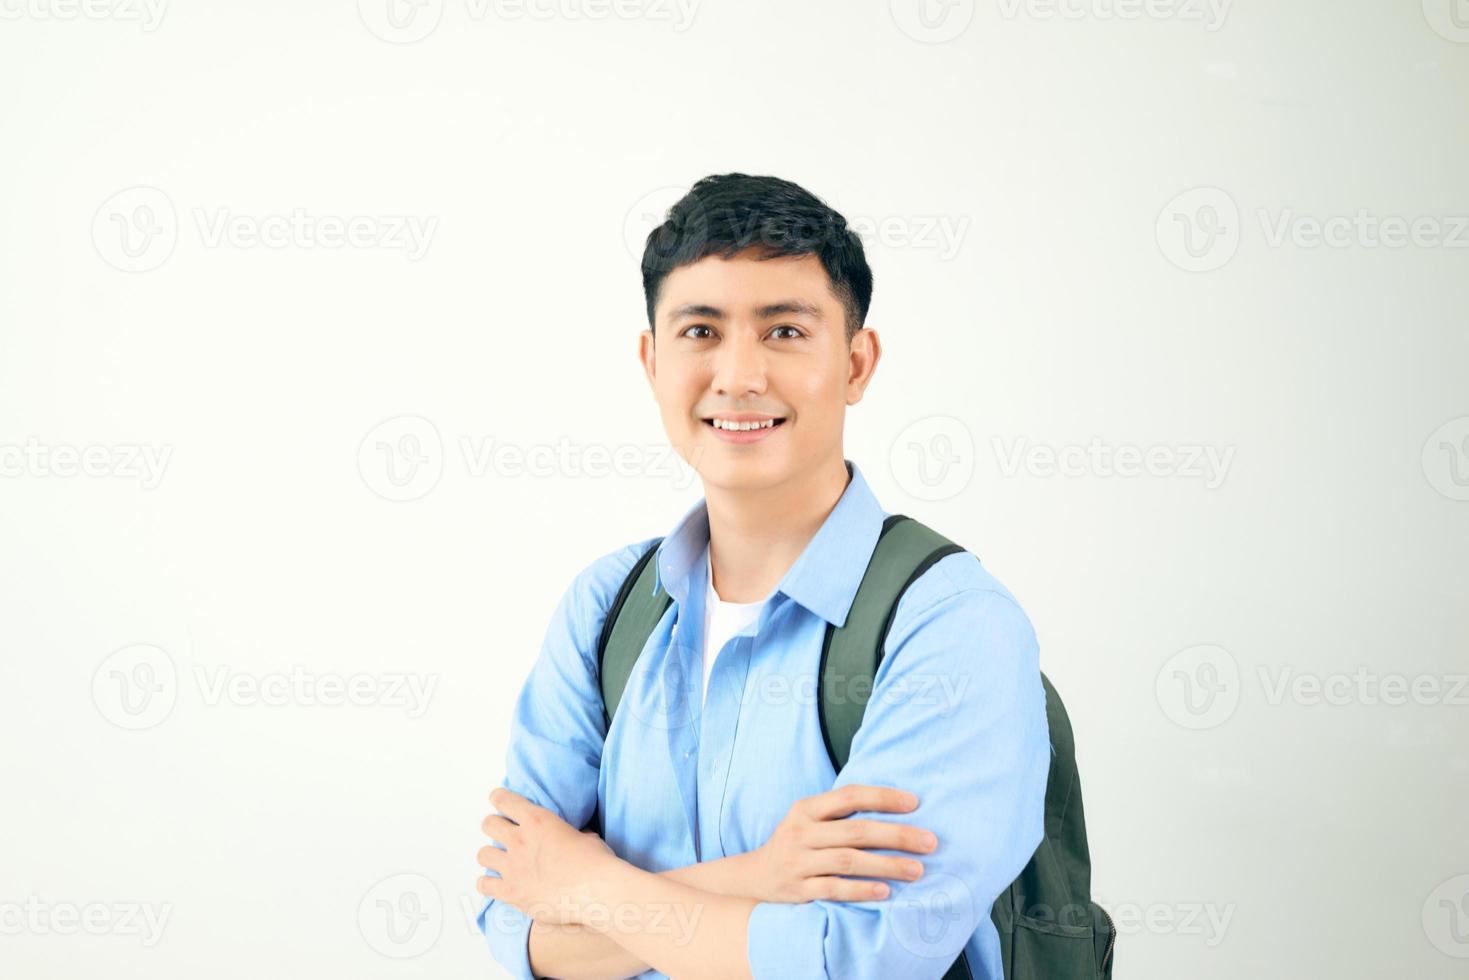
789, 307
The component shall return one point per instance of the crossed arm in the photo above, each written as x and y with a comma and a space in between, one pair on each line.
596, 917
579, 953
977, 758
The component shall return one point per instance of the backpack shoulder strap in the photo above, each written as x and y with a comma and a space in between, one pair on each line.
851, 655
634, 614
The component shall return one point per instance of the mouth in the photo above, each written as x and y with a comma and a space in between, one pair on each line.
744, 430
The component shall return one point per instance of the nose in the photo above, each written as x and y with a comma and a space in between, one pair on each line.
739, 365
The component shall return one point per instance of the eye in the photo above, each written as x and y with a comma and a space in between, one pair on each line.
796, 333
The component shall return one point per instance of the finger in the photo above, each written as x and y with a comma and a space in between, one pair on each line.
872, 835
862, 864
491, 857
848, 799
498, 829
512, 804
487, 885
845, 890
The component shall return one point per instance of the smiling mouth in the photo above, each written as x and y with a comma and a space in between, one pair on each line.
724, 426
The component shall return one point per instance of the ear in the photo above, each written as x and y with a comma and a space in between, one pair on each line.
862, 358
647, 353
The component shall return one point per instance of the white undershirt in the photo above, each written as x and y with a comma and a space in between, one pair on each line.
722, 620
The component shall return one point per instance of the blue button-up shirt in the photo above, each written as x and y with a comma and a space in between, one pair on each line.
956, 715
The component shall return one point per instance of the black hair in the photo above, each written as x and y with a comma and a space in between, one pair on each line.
726, 214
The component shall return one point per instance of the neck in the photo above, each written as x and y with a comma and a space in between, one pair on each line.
755, 536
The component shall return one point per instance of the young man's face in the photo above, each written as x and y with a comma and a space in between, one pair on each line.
755, 339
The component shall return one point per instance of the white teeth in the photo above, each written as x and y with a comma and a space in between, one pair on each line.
742, 426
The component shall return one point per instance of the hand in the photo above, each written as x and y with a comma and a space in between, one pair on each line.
545, 865
812, 846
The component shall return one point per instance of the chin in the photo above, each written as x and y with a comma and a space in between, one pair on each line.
729, 471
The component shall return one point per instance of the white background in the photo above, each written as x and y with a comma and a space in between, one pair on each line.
1076, 298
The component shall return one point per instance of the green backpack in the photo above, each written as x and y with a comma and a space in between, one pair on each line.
1049, 927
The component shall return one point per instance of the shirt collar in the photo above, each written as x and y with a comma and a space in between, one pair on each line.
824, 578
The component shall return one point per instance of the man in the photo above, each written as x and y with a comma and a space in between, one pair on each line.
729, 847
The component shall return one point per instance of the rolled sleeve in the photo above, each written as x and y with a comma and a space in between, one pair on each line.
787, 941
957, 716
507, 930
